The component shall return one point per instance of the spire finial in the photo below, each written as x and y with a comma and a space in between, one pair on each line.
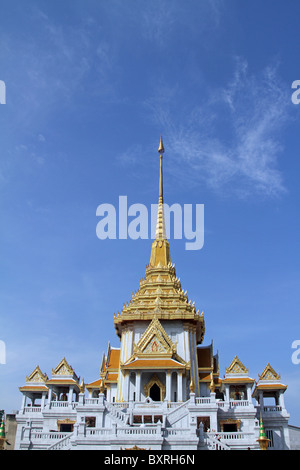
160, 248
161, 151
160, 226
262, 439
161, 146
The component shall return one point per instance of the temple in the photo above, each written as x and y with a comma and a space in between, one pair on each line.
162, 388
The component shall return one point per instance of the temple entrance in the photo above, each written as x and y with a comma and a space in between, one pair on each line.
155, 389
65, 425
231, 427
66, 428
155, 392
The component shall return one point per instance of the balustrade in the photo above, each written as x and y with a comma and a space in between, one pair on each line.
202, 400
44, 436
238, 403
272, 409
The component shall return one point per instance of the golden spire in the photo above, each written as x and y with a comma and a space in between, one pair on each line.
160, 252
161, 150
161, 146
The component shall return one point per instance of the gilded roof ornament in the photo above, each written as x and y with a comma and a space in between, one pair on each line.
192, 386
237, 367
269, 374
161, 146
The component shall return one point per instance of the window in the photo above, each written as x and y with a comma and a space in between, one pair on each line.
90, 421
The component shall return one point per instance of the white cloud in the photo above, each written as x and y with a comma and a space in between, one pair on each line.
250, 111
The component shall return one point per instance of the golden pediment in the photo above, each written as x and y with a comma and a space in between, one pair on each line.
37, 376
63, 368
269, 374
155, 342
237, 367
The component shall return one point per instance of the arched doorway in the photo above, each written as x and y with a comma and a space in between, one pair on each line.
155, 389
155, 392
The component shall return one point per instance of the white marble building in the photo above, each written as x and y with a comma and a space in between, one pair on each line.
161, 389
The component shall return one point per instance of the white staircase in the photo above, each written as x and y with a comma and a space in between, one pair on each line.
214, 443
62, 444
117, 414
177, 413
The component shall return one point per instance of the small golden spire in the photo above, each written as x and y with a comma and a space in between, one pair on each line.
262, 440
82, 386
161, 146
212, 385
192, 386
102, 386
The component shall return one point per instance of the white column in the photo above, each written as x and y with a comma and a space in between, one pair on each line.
179, 386
138, 386
23, 402
43, 400
50, 396
126, 386
249, 398
70, 397
281, 400
168, 385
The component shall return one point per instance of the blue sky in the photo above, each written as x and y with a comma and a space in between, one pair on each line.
90, 87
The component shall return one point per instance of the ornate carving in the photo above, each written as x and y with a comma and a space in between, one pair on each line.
269, 374
237, 367
155, 342
37, 376
63, 368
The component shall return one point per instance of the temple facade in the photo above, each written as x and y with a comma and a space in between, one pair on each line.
162, 388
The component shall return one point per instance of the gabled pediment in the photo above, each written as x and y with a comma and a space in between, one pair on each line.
155, 342
269, 374
37, 376
155, 346
63, 368
237, 367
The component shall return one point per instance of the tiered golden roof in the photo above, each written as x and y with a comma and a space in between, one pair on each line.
160, 293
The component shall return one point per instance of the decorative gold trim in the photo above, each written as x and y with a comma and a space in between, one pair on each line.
37, 376
155, 342
65, 421
134, 448
152, 381
63, 368
230, 421
269, 374
237, 367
